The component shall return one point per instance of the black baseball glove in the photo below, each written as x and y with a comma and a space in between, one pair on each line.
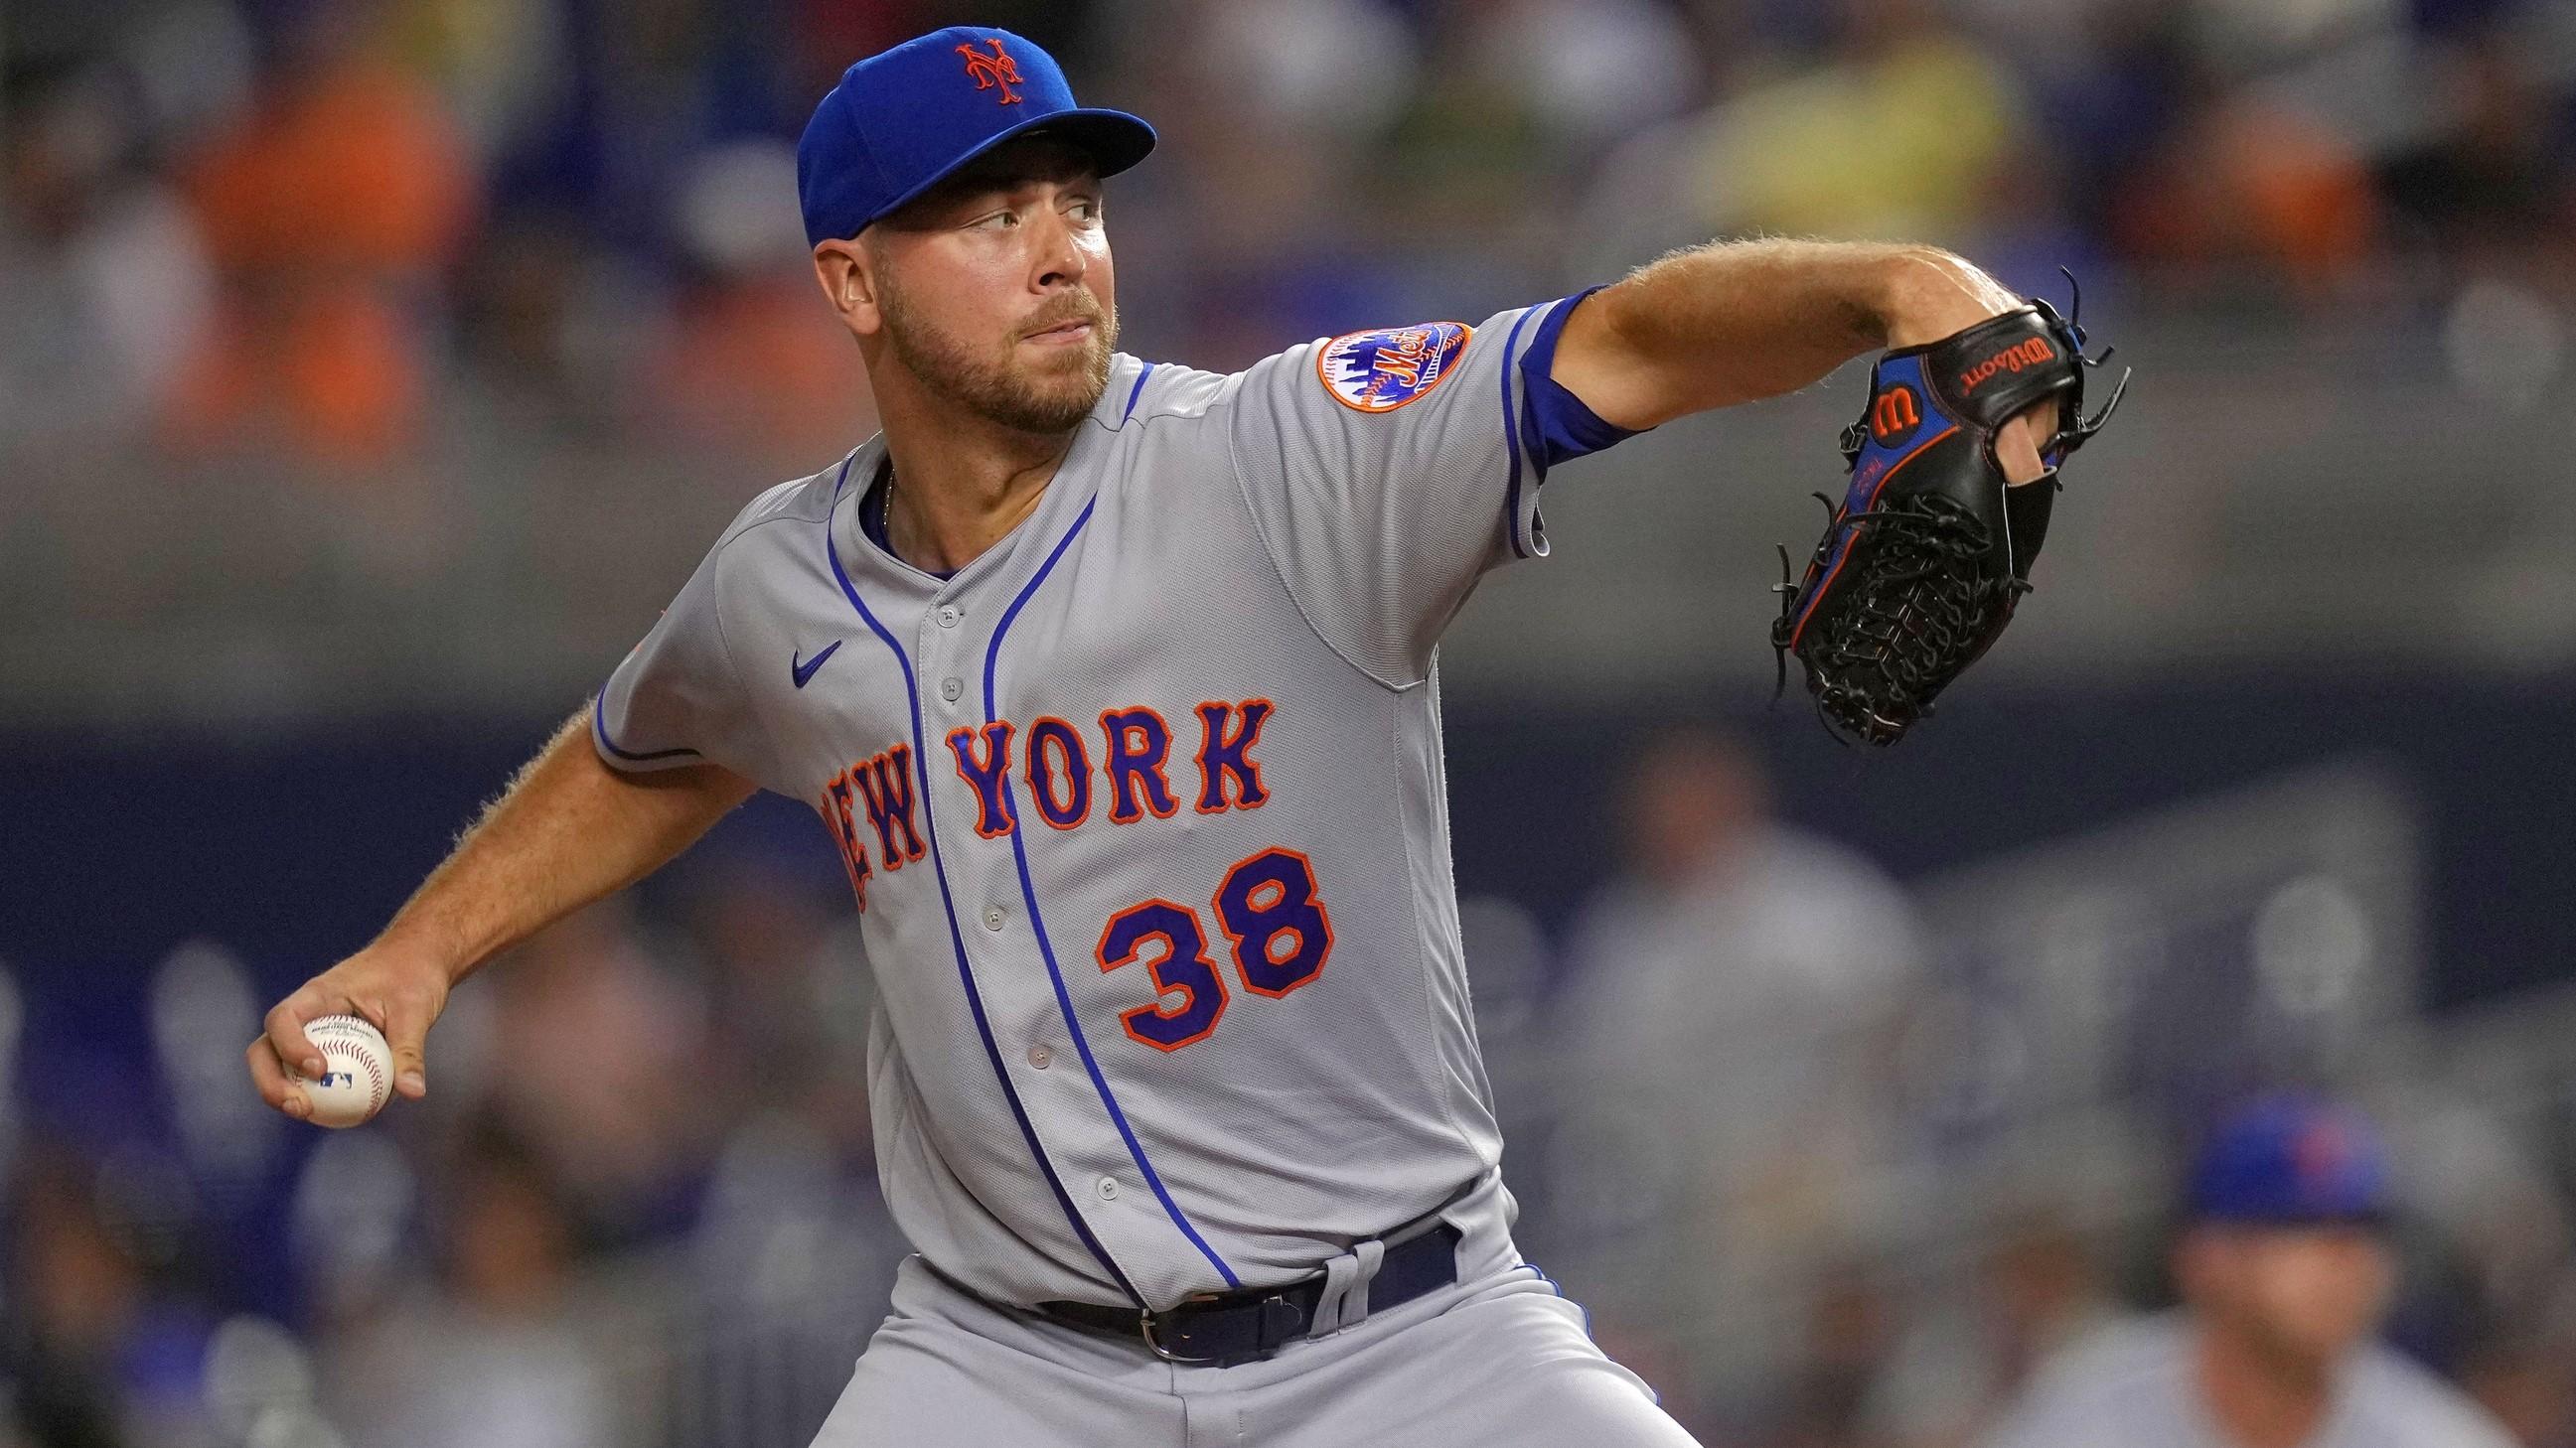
1920, 568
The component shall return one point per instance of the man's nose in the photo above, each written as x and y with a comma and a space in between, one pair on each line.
1059, 260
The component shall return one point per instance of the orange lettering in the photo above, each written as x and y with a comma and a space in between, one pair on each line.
2029, 352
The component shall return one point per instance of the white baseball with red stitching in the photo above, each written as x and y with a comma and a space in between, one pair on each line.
357, 1071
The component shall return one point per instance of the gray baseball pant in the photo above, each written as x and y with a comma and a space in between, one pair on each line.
1502, 1361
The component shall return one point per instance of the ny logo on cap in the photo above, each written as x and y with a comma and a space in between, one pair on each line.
2320, 1154
997, 69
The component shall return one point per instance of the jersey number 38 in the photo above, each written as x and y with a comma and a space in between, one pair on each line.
1280, 937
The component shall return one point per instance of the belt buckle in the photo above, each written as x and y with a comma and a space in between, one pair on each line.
1145, 1324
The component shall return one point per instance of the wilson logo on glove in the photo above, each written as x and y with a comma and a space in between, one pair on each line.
1921, 565
2014, 358
1894, 414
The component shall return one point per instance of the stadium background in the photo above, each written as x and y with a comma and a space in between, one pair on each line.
372, 370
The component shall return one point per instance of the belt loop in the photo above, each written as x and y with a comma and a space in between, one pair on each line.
1344, 1302
1341, 1274
1371, 1254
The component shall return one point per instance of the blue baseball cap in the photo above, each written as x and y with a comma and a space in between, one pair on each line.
2291, 1160
903, 119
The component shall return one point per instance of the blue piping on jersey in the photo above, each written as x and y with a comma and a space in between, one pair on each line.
1512, 438
1132, 394
1541, 1274
599, 725
956, 940
1046, 949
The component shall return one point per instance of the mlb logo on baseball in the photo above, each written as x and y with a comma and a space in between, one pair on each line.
357, 1075
1382, 370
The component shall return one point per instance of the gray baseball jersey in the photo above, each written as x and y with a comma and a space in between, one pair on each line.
2132, 1386
1144, 809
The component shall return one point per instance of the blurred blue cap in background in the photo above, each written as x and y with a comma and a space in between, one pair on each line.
2291, 1159
904, 118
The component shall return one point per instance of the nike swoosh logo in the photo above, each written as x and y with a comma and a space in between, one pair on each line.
803, 668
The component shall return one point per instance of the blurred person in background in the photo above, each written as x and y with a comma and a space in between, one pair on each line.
787, 1018
2254, 197
332, 211
750, 366
73, 1294
491, 1353
1958, 1366
2494, 192
1731, 925
1903, 127
104, 284
2285, 1275
2531, 1389
1728, 1008
608, 1065
1852, 1317
2528, 1380
773, 954
100, 1351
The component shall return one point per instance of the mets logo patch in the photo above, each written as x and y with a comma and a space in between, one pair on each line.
1383, 370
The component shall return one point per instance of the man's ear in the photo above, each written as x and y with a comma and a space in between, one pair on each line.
847, 272
2193, 1260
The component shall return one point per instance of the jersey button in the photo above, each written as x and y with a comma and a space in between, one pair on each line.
949, 689
993, 917
948, 615
1041, 1057
1108, 1189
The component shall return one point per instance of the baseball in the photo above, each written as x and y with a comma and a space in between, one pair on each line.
357, 1071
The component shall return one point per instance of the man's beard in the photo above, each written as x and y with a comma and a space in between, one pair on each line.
996, 391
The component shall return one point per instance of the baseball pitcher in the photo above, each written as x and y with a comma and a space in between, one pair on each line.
1113, 683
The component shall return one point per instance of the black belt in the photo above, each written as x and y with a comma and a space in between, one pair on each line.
1225, 1328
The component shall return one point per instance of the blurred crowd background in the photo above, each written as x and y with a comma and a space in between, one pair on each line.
372, 370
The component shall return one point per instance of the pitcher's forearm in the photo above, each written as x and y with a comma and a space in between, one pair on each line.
1735, 322
565, 832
